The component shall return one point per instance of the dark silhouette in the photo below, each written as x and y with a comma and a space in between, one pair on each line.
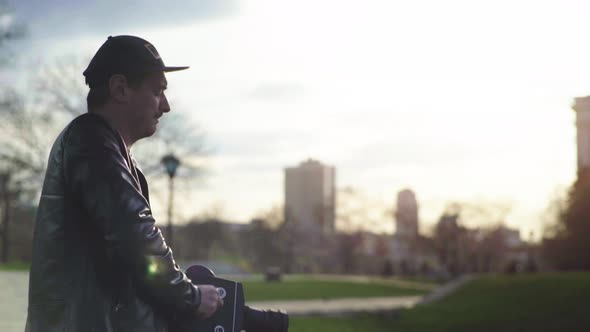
99, 261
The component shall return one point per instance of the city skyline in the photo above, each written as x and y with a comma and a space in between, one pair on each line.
460, 102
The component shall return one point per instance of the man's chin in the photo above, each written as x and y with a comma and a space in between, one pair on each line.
151, 131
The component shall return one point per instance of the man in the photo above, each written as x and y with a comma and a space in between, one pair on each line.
99, 262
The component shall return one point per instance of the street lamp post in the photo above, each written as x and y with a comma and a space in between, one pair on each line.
171, 163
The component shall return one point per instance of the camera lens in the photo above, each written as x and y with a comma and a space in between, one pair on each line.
265, 321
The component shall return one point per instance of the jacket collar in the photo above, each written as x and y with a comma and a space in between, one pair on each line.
140, 181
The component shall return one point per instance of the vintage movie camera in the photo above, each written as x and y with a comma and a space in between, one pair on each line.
234, 316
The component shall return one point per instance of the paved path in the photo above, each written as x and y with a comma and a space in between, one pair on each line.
338, 306
347, 305
331, 277
13, 300
446, 289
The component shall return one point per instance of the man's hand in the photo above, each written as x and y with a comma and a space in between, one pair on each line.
210, 301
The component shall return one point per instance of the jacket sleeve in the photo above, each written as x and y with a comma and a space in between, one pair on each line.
97, 175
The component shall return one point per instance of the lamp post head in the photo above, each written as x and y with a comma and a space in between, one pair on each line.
171, 163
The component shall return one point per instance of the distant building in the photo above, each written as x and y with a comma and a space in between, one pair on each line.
582, 107
511, 237
310, 196
410, 253
371, 244
517, 256
406, 215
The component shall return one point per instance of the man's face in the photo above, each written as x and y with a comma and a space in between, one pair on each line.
147, 104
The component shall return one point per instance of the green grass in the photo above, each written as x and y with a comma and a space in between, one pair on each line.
312, 288
15, 266
360, 323
545, 302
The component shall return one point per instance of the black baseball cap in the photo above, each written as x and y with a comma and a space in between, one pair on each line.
124, 55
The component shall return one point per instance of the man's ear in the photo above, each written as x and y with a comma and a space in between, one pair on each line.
118, 88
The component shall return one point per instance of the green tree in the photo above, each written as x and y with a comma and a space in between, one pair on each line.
566, 244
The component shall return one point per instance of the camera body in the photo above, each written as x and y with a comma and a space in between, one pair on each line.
234, 316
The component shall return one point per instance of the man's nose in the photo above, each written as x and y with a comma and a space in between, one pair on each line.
164, 106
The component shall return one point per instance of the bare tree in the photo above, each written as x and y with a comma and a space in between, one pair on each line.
554, 214
358, 212
273, 217
59, 87
24, 138
483, 249
480, 212
10, 30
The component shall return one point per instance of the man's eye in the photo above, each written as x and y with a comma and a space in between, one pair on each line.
158, 92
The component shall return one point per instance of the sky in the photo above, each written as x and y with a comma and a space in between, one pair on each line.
457, 100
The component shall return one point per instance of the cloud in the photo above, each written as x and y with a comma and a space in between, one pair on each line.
273, 91
73, 18
410, 153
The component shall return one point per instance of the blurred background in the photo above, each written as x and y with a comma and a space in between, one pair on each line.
404, 144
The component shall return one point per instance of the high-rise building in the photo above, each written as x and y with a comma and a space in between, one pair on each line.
406, 215
407, 252
582, 107
310, 196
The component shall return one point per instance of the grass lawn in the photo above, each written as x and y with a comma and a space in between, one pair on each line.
15, 266
311, 288
544, 302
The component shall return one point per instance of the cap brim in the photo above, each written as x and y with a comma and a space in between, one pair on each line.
169, 69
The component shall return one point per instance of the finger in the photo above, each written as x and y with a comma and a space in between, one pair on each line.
205, 314
210, 312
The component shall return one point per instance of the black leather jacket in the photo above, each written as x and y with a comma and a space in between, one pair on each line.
99, 262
